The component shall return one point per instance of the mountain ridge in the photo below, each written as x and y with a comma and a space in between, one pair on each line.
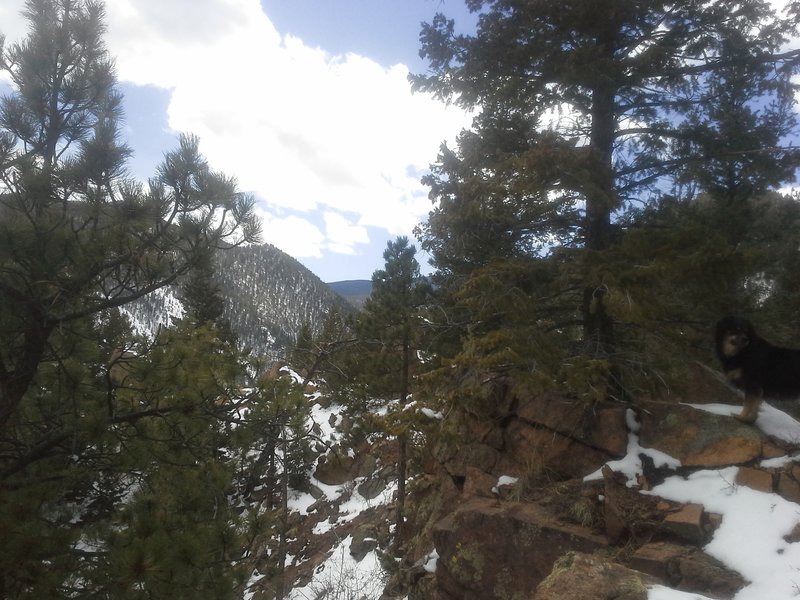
268, 296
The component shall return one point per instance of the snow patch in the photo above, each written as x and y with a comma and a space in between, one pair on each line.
504, 480
341, 576
430, 561
432, 414
751, 537
631, 464
659, 592
631, 422
780, 461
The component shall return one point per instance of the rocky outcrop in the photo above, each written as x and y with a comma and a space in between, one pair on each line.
553, 534
577, 576
698, 438
520, 435
502, 548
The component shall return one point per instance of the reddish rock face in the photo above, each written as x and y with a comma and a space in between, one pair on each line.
503, 546
514, 435
488, 549
578, 576
698, 438
596, 426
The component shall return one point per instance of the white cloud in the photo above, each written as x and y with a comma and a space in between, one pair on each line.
295, 235
301, 128
342, 234
304, 130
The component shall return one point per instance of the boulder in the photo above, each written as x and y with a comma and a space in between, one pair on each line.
334, 468
698, 438
788, 485
365, 464
687, 569
579, 576
757, 479
364, 540
490, 549
687, 523
371, 488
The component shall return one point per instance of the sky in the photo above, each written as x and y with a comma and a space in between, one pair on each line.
306, 102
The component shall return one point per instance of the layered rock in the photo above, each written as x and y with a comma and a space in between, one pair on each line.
552, 528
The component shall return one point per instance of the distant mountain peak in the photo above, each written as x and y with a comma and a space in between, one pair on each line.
355, 291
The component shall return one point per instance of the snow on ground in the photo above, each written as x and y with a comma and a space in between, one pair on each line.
631, 464
659, 592
255, 577
750, 539
770, 420
342, 577
430, 561
351, 507
504, 480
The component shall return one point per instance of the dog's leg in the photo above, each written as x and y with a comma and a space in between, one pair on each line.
750, 410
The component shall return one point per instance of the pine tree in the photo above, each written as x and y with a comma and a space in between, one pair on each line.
202, 299
173, 531
653, 97
388, 328
97, 427
78, 237
319, 356
275, 443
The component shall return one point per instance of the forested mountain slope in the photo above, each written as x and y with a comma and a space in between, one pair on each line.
268, 295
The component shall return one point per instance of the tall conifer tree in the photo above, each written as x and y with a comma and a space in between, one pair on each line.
389, 328
78, 236
96, 426
588, 109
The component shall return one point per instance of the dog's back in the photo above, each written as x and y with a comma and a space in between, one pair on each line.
778, 371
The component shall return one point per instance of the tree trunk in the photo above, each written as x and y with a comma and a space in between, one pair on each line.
601, 200
402, 444
280, 586
401, 489
16, 381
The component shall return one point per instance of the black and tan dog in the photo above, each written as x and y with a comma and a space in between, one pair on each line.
755, 366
